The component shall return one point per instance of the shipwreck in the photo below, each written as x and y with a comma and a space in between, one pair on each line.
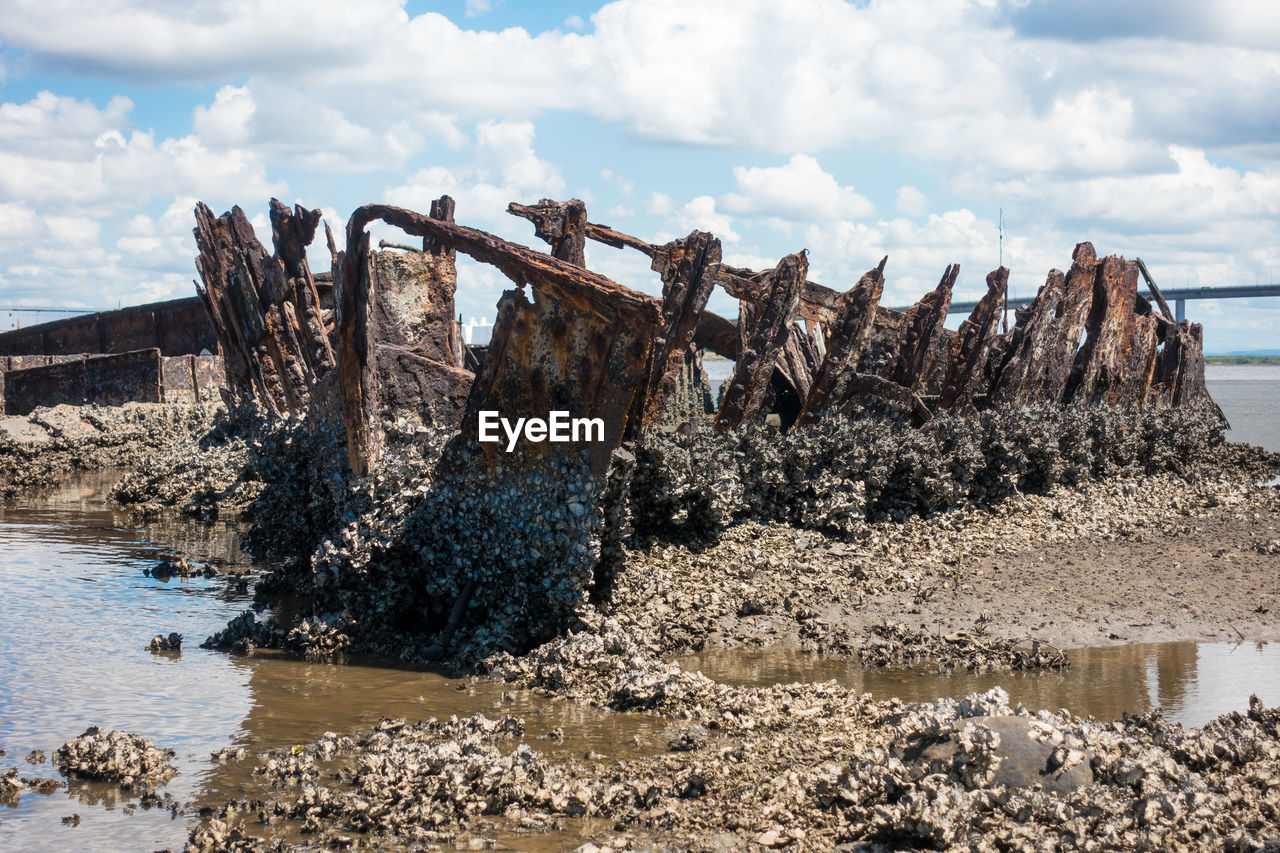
508, 547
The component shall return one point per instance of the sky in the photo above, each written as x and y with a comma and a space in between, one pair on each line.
853, 130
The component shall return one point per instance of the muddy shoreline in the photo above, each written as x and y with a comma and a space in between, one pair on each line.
1124, 561
819, 766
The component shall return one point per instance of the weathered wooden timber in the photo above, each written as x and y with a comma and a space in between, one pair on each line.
568, 339
399, 351
763, 331
264, 308
972, 345
922, 327
581, 345
718, 335
688, 270
848, 336
1046, 336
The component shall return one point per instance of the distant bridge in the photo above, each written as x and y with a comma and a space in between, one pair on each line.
1176, 295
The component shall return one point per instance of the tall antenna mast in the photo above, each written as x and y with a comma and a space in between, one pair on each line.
1002, 236
1006, 289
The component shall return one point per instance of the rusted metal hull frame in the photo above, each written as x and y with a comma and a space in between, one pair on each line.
584, 341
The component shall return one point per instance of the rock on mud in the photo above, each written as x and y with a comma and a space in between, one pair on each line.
161, 643
114, 756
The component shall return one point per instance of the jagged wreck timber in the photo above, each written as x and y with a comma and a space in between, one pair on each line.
264, 308
971, 347
582, 343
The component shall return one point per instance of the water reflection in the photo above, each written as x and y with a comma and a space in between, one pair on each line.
1192, 682
78, 612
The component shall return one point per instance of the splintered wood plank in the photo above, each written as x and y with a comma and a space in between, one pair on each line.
1042, 348
745, 394
688, 269
972, 345
845, 340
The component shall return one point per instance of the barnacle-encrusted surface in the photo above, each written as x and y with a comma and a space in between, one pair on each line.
843, 472
816, 766
435, 555
114, 756
42, 448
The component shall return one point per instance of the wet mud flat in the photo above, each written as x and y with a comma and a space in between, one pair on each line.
84, 591
1122, 561
41, 449
611, 737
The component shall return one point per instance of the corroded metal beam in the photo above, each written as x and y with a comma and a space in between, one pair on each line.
563, 224
582, 344
399, 355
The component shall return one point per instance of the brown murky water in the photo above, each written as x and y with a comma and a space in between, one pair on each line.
77, 612
1190, 682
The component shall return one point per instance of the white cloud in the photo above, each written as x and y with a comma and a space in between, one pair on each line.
18, 223
475, 8
503, 168
797, 191
75, 230
658, 204
625, 185
1148, 127
904, 75
700, 214
68, 157
226, 120
911, 202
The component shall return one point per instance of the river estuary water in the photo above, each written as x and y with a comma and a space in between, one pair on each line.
78, 611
